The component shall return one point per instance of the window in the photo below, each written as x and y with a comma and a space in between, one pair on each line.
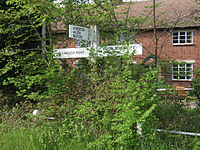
182, 71
182, 37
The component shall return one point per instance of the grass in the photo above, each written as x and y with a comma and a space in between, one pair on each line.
38, 139
45, 136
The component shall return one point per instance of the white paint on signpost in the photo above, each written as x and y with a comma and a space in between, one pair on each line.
104, 51
120, 50
81, 33
137, 48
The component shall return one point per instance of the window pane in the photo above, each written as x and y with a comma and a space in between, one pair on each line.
175, 69
189, 65
175, 37
182, 77
182, 41
175, 66
189, 69
189, 33
175, 73
182, 37
189, 77
181, 69
182, 33
188, 73
175, 41
175, 33
182, 65
181, 73
188, 37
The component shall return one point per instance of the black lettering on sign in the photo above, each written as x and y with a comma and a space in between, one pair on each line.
76, 32
69, 53
79, 52
81, 29
78, 29
77, 36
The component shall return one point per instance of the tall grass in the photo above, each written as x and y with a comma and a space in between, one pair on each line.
63, 135
43, 136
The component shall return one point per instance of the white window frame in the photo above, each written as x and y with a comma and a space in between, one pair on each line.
184, 71
185, 39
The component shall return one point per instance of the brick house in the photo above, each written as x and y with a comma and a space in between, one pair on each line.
177, 31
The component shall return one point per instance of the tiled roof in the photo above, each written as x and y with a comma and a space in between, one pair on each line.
178, 13
168, 12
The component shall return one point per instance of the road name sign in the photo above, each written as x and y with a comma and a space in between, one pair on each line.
72, 53
81, 33
104, 51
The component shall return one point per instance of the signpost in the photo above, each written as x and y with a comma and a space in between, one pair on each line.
104, 51
81, 33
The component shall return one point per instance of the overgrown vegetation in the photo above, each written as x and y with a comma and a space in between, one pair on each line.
97, 105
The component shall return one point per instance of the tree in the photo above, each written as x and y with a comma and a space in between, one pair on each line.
23, 40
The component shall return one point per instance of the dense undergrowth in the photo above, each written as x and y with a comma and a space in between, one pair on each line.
30, 132
97, 105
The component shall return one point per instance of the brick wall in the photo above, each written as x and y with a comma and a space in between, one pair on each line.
63, 41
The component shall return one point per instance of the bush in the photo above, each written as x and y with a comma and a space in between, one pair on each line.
196, 84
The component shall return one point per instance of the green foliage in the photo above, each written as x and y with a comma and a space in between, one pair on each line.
101, 101
66, 134
27, 65
115, 99
196, 84
44, 135
174, 116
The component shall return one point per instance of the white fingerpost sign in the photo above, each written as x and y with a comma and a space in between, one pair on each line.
72, 53
81, 33
103, 51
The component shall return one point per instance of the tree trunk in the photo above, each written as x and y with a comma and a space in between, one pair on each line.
154, 31
43, 42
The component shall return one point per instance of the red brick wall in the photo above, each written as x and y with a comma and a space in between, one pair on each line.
62, 41
171, 52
